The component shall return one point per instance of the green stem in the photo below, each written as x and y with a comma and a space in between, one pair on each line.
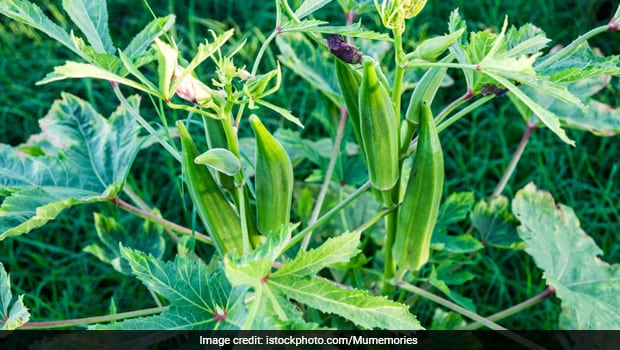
298, 237
568, 50
514, 309
463, 112
145, 207
450, 305
425, 64
529, 129
165, 223
328, 175
93, 320
453, 105
474, 316
145, 124
389, 268
399, 74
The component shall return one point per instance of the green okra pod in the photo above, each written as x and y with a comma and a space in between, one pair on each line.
425, 90
216, 138
432, 48
349, 81
418, 211
216, 213
274, 180
379, 129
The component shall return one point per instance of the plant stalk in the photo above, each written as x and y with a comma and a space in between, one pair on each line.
328, 175
501, 185
165, 223
298, 237
92, 320
474, 316
514, 309
168, 147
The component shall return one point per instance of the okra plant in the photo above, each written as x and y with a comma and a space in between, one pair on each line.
286, 254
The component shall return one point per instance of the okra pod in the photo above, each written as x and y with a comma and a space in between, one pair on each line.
216, 138
349, 81
418, 212
432, 48
425, 90
274, 180
216, 213
379, 129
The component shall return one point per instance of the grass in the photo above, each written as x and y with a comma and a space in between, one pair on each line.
60, 281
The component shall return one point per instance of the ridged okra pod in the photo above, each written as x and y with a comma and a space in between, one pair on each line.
349, 81
418, 212
216, 138
379, 129
217, 214
274, 180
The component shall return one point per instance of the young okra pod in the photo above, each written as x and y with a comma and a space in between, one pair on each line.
216, 213
378, 129
425, 90
274, 180
418, 212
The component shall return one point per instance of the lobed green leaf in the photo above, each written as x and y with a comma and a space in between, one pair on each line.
80, 157
199, 298
587, 286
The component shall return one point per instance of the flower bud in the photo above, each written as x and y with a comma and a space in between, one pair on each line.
192, 89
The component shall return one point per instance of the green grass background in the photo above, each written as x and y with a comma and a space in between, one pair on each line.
60, 281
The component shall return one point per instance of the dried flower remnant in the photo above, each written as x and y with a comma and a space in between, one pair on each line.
342, 50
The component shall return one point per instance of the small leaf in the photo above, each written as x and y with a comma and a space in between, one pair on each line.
455, 272
443, 287
525, 40
92, 19
141, 42
357, 306
495, 224
86, 159
199, 299
587, 286
221, 160
335, 250
13, 313
443, 320
310, 6
454, 210
461, 244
